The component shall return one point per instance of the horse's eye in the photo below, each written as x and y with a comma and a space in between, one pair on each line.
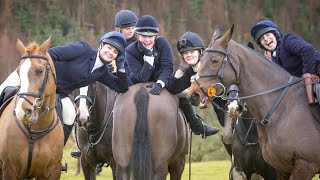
214, 60
39, 72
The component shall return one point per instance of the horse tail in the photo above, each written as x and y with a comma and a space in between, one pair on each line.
141, 160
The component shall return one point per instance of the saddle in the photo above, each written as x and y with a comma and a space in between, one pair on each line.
314, 104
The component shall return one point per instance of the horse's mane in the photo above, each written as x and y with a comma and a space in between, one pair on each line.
32, 47
261, 57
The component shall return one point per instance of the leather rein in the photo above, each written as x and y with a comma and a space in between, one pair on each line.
33, 135
220, 75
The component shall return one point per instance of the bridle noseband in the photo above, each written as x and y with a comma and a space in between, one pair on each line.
38, 95
219, 74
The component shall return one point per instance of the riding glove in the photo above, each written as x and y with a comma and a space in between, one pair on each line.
155, 88
120, 62
145, 51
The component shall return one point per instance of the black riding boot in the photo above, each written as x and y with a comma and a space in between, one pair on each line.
316, 90
67, 131
197, 126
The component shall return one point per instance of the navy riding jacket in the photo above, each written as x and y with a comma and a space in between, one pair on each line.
296, 56
141, 71
129, 41
74, 63
177, 85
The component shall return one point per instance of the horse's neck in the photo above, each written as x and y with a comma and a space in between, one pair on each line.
257, 75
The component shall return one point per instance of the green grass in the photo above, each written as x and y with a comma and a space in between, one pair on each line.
208, 170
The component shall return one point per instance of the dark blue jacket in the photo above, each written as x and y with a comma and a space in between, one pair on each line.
74, 63
177, 85
296, 56
129, 41
141, 71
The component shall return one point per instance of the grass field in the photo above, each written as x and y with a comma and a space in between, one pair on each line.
209, 170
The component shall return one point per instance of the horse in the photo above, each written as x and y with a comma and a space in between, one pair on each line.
247, 159
94, 127
31, 133
150, 135
288, 132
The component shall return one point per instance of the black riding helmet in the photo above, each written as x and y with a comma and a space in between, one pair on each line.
264, 27
125, 18
147, 25
190, 41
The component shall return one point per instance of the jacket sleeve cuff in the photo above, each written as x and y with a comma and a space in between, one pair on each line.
161, 82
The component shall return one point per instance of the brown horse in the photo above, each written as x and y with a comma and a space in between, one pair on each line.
94, 128
31, 135
289, 135
150, 135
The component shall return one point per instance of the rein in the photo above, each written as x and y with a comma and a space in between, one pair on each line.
220, 75
33, 135
91, 133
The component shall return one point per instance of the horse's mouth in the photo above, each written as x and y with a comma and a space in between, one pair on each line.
203, 102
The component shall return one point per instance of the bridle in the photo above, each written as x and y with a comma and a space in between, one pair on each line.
33, 135
220, 75
38, 102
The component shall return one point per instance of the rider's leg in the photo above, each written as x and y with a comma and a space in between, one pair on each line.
316, 90
12, 80
69, 115
196, 124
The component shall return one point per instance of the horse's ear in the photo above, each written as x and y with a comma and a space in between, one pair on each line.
45, 46
227, 36
250, 45
216, 33
20, 46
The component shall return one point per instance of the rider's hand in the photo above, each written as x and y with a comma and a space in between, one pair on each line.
155, 88
120, 62
145, 51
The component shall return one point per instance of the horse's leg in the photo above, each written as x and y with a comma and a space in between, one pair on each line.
303, 170
161, 172
176, 170
112, 164
122, 173
77, 171
89, 170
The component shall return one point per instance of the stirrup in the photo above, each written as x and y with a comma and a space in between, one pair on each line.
76, 154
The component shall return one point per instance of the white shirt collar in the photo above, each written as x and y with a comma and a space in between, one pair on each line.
98, 63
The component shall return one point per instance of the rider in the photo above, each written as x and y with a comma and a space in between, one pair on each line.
289, 51
150, 57
78, 65
190, 47
125, 22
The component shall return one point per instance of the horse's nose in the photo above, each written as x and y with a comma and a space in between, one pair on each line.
195, 99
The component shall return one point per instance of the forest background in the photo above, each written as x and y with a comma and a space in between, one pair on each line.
74, 20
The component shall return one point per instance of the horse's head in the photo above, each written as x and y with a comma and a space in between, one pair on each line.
216, 69
37, 93
84, 102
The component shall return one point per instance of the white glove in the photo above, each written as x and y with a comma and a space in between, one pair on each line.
149, 59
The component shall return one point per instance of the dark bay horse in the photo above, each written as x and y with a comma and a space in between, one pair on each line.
94, 107
290, 140
31, 134
150, 135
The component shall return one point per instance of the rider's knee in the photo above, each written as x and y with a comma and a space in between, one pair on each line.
68, 111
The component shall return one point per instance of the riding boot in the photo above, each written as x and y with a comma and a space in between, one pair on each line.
316, 90
67, 131
197, 125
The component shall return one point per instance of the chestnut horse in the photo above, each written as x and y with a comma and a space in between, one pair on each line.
289, 135
150, 135
94, 106
31, 135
